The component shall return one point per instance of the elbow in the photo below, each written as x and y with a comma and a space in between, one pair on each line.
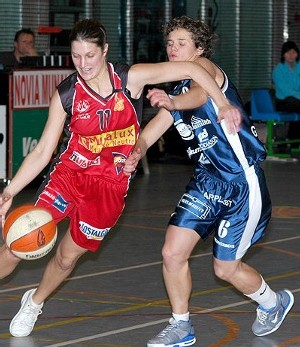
41, 154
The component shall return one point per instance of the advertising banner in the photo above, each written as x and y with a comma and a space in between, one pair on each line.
31, 91
27, 129
34, 88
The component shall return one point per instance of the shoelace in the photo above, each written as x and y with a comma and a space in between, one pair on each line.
262, 316
173, 324
168, 328
30, 314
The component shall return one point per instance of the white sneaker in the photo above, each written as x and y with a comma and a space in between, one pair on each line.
23, 322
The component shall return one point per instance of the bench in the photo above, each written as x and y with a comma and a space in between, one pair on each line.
263, 110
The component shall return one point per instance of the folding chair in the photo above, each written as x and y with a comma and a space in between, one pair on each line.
262, 109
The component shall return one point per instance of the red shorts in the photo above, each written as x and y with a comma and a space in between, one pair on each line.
92, 203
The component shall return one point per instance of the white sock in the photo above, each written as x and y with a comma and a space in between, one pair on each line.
184, 317
34, 304
265, 296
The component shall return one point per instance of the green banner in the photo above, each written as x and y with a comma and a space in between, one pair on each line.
27, 128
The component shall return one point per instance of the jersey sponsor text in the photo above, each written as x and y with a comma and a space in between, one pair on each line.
91, 232
115, 138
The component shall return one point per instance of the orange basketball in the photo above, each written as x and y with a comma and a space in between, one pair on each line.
30, 232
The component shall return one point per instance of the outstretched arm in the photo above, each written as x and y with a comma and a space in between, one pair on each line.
147, 74
37, 159
142, 74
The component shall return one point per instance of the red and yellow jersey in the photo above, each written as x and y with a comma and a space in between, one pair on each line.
100, 132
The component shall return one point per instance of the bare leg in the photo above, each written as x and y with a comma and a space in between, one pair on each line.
242, 276
179, 244
58, 268
8, 261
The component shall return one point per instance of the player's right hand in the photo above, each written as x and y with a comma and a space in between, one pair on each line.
132, 162
159, 98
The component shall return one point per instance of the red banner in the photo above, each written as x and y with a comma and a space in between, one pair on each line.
34, 88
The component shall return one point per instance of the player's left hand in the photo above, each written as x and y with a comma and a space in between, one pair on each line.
132, 162
232, 117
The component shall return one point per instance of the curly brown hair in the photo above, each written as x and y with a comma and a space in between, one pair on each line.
200, 32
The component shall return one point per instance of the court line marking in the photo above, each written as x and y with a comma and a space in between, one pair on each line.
144, 325
140, 266
152, 323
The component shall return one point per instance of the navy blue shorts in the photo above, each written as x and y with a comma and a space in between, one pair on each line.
236, 212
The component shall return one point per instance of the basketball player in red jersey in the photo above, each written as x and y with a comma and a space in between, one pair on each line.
99, 109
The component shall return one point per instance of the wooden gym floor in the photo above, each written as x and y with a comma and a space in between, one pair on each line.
116, 298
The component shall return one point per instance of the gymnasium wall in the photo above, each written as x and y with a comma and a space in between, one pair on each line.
250, 32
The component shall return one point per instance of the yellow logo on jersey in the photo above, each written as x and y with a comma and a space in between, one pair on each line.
114, 138
119, 106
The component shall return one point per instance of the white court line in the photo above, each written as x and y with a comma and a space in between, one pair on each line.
141, 326
156, 322
94, 274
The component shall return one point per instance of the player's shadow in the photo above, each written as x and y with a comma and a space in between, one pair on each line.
264, 342
27, 341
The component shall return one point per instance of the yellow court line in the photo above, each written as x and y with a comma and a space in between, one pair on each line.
165, 302
280, 250
80, 319
156, 303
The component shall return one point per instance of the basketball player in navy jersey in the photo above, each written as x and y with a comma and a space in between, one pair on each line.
227, 194
99, 109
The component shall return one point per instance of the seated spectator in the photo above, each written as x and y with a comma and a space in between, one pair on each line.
23, 47
286, 78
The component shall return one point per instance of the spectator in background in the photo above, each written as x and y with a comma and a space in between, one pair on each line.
23, 47
286, 79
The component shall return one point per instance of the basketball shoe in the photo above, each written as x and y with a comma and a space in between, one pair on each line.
179, 334
23, 322
268, 321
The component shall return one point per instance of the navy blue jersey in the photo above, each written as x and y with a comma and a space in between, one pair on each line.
208, 143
